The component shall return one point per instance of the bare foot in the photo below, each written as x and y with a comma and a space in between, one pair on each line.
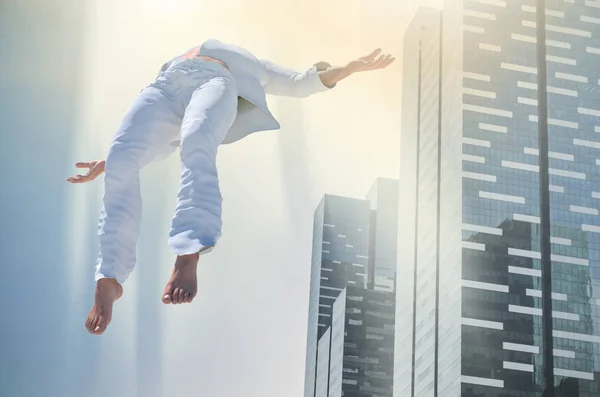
108, 290
183, 284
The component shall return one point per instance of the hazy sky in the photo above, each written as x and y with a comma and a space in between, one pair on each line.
68, 71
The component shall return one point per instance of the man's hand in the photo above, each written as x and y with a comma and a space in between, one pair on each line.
373, 61
95, 168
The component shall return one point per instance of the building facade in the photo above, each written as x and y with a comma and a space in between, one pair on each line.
500, 169
350, 344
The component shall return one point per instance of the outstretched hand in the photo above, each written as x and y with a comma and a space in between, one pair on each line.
373, 61
95, 168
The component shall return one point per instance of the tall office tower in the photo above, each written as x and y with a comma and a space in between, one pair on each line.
499, 281
383, 234
352, 303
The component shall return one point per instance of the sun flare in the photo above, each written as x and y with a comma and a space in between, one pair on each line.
170, 8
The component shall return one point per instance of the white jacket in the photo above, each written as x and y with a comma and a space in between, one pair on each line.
254, 79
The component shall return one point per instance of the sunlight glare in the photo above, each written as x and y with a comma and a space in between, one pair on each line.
169, 8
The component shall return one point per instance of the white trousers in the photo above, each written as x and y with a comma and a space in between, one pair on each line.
194, 98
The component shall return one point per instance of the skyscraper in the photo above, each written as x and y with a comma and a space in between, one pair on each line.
383, 234
352, 301
499, 280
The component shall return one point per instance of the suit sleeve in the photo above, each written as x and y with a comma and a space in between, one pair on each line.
286, 82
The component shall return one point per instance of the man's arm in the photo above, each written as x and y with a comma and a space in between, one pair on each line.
287, 82
333, 75
321, 77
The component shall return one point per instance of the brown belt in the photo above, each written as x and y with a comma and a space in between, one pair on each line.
195, 53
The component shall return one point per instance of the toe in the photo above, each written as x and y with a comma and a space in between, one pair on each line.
100, 327
187, 297
178, 296
91, 323
167, 297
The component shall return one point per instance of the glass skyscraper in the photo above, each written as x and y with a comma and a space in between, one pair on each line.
498, 288
350, 343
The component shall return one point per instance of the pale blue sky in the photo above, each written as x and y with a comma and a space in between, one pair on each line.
68, 71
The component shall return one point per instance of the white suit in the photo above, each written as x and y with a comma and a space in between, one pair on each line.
195, 105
